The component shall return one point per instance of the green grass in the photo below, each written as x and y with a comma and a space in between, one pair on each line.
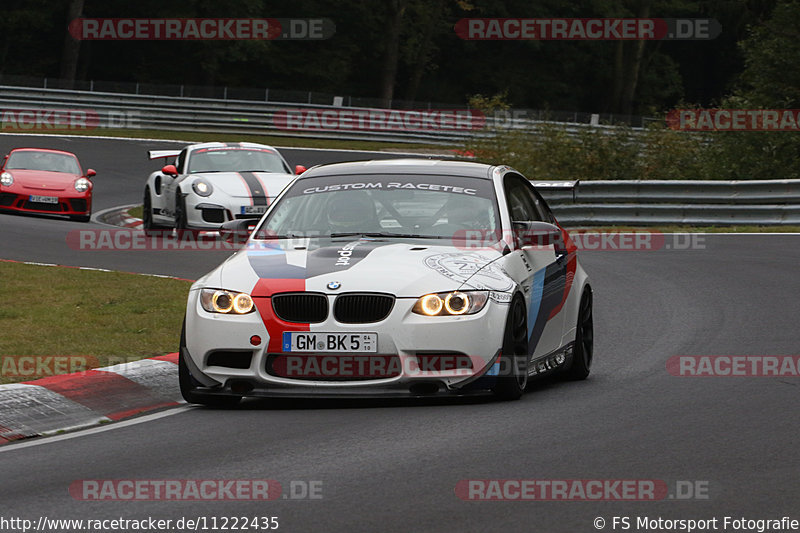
274, 140
111, 316
136, 212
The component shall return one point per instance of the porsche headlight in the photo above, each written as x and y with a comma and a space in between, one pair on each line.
6, 179
451, 303
226, 302
202, 188
82, 184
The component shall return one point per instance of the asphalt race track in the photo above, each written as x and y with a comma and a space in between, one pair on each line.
394, 465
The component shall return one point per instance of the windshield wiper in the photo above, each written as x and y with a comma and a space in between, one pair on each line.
383, 234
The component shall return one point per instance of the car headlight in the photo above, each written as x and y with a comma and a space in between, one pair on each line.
451, 303
82, 184
226, 302
6, 179
202, 188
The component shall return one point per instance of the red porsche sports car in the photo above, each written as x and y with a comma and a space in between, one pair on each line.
37, 180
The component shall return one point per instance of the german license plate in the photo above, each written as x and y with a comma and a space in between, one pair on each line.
253, 210
43, 199
304, 341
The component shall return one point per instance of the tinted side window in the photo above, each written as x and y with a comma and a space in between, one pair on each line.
541, 205
179, 163
521, 200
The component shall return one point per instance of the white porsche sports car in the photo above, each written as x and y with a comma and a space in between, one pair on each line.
397, 277
212, 183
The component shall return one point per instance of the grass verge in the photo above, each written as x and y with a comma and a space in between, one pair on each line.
111, 317
136, 212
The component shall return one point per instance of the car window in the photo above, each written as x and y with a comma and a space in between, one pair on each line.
521, 200
428, 206
53, 162
235, 159
179, 163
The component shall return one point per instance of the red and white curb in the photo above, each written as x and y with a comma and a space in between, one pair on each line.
118, 216
71, 401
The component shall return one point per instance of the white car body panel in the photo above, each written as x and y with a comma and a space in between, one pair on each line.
551, 284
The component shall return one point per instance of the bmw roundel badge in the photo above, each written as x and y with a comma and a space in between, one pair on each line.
333, 285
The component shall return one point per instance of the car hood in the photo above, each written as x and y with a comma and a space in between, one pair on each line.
43, 180
245, 184
405, 268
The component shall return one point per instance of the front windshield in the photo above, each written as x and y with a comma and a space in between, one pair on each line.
233, 159
436, 207
32, 160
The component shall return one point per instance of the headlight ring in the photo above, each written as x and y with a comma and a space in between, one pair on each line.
226, 302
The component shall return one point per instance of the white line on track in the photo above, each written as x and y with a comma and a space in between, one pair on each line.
86, 432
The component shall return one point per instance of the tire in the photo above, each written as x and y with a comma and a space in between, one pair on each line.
583, 352
513, 378
80, 218
188, 385
149, 226
181, 221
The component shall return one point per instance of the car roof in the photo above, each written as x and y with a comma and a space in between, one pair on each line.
47, 150
403, 166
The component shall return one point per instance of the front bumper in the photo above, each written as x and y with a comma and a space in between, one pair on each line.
210, 213
431, 355
68, 204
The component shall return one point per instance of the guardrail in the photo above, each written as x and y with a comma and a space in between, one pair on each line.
756, 202
210, 115
772, 202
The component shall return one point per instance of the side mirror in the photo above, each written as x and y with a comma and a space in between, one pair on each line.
539, 234
170, 170
90, 172
237, 231
299, 169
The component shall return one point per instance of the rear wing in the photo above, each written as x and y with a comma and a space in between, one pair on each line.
160, 154
557, 189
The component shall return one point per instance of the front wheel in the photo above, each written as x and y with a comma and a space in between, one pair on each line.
181, 218
148, 225
583, 351
513, 376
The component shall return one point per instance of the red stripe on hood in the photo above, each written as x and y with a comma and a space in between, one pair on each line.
275, 326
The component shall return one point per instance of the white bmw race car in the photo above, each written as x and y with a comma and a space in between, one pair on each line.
397, 277
213, 183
